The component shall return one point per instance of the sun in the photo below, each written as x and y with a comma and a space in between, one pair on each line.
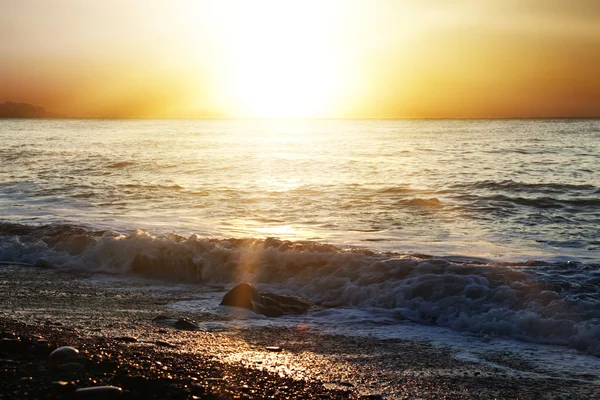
277, 82
279, 61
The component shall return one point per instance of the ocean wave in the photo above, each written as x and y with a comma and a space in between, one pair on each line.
541, 202
514, 186
536, 301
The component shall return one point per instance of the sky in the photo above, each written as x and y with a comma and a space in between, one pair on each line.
303, 59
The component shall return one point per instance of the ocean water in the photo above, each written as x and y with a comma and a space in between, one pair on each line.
486, 227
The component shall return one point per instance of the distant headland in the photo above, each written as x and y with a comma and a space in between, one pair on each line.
25, 110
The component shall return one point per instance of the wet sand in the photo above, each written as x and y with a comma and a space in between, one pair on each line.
113, 324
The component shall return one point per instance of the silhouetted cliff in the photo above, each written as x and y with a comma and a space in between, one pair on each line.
24, 110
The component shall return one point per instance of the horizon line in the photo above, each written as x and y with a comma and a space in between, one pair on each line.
311, 118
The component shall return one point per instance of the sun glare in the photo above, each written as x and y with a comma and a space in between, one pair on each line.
279, 61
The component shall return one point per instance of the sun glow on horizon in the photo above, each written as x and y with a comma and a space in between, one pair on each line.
302, 58
281, 60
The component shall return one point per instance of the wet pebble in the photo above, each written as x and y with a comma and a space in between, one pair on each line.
99, 392
64, 353
62, 387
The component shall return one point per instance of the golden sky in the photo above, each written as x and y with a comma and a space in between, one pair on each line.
284, 58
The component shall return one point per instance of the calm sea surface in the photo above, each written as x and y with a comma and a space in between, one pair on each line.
508, 190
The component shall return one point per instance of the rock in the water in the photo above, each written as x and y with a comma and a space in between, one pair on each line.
186, 324
245, 295
99, 392
64, 353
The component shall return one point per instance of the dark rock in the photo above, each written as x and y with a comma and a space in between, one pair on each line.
186, 324
13, 345
160, 318
246, 296
64, 353
99, 392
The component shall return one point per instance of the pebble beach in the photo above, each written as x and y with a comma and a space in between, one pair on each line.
126, 339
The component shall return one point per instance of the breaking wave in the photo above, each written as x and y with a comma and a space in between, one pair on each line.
557, 303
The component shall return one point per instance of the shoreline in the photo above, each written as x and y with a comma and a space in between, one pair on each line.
110, 320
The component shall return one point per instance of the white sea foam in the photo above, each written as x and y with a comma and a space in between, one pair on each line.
536, 302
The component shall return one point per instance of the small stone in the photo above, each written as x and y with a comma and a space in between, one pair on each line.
186, 325
165, 344
62, 386
64, 353
126, 339
214, 379
99, 392
274, 349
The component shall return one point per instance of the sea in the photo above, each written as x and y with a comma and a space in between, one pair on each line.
481, 228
